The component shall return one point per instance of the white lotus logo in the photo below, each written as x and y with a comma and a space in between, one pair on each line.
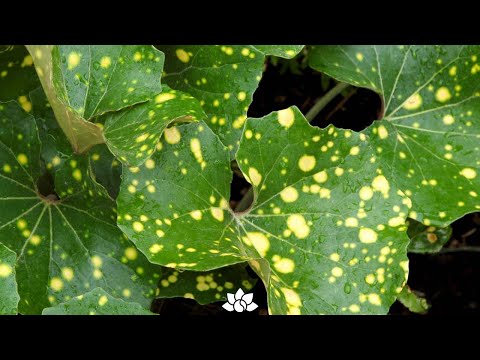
239, 302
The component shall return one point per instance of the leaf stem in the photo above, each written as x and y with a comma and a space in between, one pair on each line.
246, 201
323, 101
460, 249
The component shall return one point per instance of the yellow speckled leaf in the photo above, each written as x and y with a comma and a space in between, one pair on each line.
66, 243
223, 78
8, 285
326, 232
205, 286
428, 139
96, 302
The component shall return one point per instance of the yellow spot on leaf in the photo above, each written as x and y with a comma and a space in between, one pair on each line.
396, 221
142, 137
56, 284
172, 135
413, 102
320, 177
77, 174
382, 132
5, 270
469, 173
335, 257
67, 273
217, 213
297, 224
259, 241
105, 62
138, 226
351, 222
367, 236
289, 194
293, 301
380, 183
443, 94
196, 214
97, 261
73, 60
354, 308
448, 119
150, 164
284, 266
21, 224
366, 193
374, 299
196, 149
306, 163
354, 150
182, 55
155, 248
103, 300
137, 56
337, 272
286, 117
131, 253
254, 176
35, 240
161, 98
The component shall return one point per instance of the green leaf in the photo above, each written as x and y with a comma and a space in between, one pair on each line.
223, 78
326, 232
95, 79
159, 201
118, 88
133, 133
205, 287
412, 301
106, 169
427, 239
284, 51
17, 75
64, 247
96, 302
81, 134
8, 286
428, 138
55, 149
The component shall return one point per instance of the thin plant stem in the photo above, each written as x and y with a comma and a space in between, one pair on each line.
245, 202
325, 100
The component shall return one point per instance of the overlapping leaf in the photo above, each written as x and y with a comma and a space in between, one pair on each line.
17, 75
81, 134
8, 285
93, 80
412, 301
223, 78
326, 231
427, 239
169, 216
96, 302
64, 247
133, 133
285, 51
207, 286
122, 83
106, 169
428, 138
